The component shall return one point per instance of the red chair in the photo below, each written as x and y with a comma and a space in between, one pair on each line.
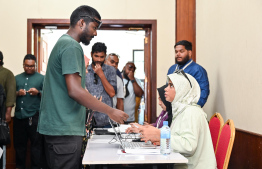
216, 123
225, 144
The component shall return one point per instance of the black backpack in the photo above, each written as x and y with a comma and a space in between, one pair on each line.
4, 129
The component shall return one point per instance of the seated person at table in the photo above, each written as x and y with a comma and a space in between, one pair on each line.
165, 115
190, 133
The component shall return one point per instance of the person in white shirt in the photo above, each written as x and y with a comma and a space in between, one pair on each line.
112, 59
133, 89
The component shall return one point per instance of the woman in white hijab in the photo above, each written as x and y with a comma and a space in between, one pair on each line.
190, 133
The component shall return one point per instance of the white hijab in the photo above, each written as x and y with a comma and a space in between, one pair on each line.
185, 94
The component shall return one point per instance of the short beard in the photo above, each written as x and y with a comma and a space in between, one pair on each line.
94, 63
187, 58
84, 37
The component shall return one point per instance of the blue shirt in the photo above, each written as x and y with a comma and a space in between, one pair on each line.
99, 90
200, 74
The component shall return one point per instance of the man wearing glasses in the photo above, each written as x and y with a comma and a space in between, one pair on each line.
64, 100
133, 89
101, 82
28, 91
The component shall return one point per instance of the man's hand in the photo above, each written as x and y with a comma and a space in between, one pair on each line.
21, 92
100, 99
8, 114
131, 75
8, 117
33, 91
98, 70
118, 116
150, 133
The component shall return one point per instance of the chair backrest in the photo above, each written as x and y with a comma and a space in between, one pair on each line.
225, 144
216, 123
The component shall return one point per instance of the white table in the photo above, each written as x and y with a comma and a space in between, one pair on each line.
99, 151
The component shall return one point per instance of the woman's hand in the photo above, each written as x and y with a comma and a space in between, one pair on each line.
150, 133
135, 128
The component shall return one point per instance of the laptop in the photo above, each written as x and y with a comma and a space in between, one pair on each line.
135, 147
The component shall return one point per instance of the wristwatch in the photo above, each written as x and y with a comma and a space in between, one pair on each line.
133, 81
38, 94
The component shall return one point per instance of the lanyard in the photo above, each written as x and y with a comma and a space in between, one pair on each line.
159, 120
184, 66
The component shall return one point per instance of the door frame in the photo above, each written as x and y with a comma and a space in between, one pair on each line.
34, 27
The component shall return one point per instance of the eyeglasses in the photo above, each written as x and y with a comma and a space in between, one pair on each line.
114, 54
184, 74
29, 66
95, 78
131, 67
94, 19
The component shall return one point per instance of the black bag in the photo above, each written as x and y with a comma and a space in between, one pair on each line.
4, 129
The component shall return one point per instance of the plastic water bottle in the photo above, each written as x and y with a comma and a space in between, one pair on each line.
142, 112
165, 147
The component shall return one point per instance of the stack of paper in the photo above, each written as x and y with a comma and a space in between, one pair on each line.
122, 128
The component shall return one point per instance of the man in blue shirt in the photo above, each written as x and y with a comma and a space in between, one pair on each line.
183, 54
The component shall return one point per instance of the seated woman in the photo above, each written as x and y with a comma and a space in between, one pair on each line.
165, 115
190, 133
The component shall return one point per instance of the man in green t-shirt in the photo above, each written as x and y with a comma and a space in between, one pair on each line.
64, 98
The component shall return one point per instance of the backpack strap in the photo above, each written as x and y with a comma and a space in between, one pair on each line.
2, 102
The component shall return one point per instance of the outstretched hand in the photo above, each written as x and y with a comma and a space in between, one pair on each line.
118, 116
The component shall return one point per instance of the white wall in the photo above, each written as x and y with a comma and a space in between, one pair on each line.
14, 15
120, 42
229, 38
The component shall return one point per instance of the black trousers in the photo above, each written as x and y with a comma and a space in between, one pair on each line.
63, 152
22, 132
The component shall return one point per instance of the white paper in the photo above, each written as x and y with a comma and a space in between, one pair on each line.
122, 128
120, 151
1, 152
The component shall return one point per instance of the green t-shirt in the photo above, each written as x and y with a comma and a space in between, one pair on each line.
7, 80
28, 105
59, 113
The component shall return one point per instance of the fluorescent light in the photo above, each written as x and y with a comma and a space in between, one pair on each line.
51, 27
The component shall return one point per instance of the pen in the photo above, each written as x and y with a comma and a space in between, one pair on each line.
135, 125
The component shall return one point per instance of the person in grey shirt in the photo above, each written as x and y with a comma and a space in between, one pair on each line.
101, 81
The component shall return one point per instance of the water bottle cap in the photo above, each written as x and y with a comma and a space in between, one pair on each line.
165, 123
